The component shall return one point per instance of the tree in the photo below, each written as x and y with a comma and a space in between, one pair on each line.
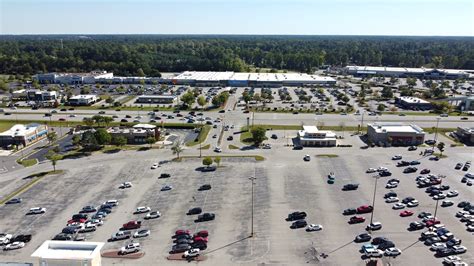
88, 121
85, 90
387, 93
119, 141
247, 98
411, 82
381, 107
89, 141
102, 136
440, 147
3, 86
109, 100
151, 141
140, 72
177, 148
258, 135
217, 160
188, 98
53, 157
201, 100
207, 161
76, 139
52, 137
56, 149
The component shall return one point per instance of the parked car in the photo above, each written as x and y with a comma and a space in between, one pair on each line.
166, 188
406, 213
364, 237
350, 187
141, 233
121, 235
14, 245
365, 209
192, 253
36, 210
356, 219
204, 187
374, 226
142, 209
314, 227
349, 211
153, 215
196, 210
21, 238
298, 224
132, 225
392, 252
298, 215
205, 217
180, 248
164, 175
416, 226
130, 248
125, 185
14, 201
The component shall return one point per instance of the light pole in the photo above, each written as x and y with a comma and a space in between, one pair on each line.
436, 133
200, 142
437, 199
362, 121
252, 178
373, 201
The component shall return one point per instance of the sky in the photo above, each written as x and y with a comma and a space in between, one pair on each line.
279, 17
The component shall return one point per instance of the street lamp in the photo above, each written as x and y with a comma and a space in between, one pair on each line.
252, 178
373, 202
436, 132
437, 199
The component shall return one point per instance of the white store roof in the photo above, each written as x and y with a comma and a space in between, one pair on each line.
20, 130
395, 128
412, 99
68, 250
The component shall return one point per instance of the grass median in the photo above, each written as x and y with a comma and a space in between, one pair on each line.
201, 137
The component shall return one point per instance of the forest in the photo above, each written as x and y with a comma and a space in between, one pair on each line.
138, 55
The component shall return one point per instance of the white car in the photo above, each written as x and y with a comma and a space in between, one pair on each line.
392, 200
371, 170
126, 185
14, 245
142, 209
439, 196
166, 187
392, 252
97, 222
438, 246
314, 227
192, 253
153, 215
130, 248
307, 158
217, 149
382, 169
461, 214
459, 249
154, 166
397, 157
412, 203
452, 193
391, 185
398, 206
36, 210
374, 226
267, 146
5, 238
141, 233
470, 228
111, 203
469, 175
449, 260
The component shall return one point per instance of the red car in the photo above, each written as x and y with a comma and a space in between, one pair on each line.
406, 213
356, 219
76, 221
432, 222
132, 225
435, 181
425, 171
202, 233
182, 232
200, 239
365, 209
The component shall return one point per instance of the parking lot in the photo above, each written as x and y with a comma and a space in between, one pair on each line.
283, 183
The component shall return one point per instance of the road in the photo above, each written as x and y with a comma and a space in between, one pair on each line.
238, 118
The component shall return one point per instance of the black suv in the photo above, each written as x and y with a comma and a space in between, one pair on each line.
403, 163
80, 216
385, 245
350, 187
385, 173
196, 210
21, 238
298, 224
62, 236
164, 175
204, 187
389, 194
296, 216
206, 217
349, 211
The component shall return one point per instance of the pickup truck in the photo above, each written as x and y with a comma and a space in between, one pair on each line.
121, 235
132, 225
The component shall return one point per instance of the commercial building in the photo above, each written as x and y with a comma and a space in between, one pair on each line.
73, 78
23, 135
138, 134
164, 99
311, 136
34, 95
235, 79
403, 72
87, 99
396, 134
413, 103
70, 253
465, 134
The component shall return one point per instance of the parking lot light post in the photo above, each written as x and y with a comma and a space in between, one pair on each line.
373, 201
436, 133
252, 178
437, 201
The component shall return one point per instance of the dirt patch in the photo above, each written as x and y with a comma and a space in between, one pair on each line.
115, 254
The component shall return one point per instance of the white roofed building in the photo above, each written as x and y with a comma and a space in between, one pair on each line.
397, 134
311, 136
23, 135
424, 73
71, 253
83, 99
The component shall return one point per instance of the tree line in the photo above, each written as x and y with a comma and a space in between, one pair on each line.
149, 55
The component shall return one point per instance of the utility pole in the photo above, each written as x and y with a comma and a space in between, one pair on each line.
373, 200
252, 178
362, 121
436, 133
